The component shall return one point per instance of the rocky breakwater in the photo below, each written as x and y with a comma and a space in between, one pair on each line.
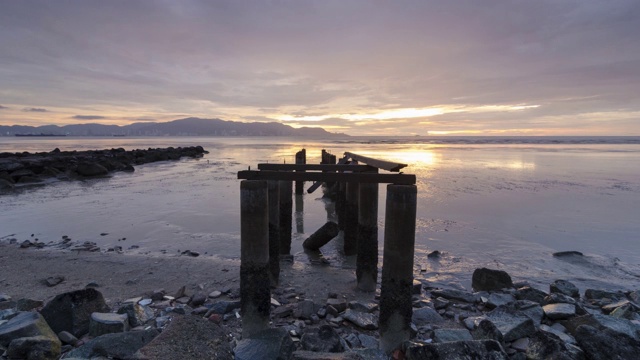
32, 168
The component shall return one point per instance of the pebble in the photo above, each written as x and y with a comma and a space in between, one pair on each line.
215, 294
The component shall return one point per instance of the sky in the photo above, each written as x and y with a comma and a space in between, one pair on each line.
406, 67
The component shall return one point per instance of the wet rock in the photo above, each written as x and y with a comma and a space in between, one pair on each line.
559, 311
198, 299
425, 316
339, 304
367, 307
560, 334
107, 323
26, 325
604, 322
304, 310
498, 299
362, 320
67, 338
544, 345
476, 349
71, 311
486, 330
138, 315
459, 295
531, 294
267, 344
446, 335
484, 279
611, 307
199, 339
564, 287
512, 324
91, 169
321, 339
529, 308
606, 344
34, 348
118, 345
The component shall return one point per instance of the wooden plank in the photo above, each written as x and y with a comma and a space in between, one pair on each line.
398, 179
343, 162
380, 164
315, 167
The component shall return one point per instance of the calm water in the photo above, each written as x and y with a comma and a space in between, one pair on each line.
501, 203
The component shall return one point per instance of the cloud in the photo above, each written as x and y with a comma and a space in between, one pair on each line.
88, 117
35, 110
3, 107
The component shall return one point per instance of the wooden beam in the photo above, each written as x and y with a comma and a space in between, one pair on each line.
398, 179
380, 164
315, 167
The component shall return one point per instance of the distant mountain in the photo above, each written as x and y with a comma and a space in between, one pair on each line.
181, 127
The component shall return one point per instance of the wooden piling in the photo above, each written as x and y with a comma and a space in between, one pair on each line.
351, 219
367, 261
286, 209
274, 231
301, 159
397, 268
299, 214
322, 236
341, 201
255, 294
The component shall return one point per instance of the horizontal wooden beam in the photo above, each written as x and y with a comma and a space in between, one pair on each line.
380, 164
398, 179
315, 167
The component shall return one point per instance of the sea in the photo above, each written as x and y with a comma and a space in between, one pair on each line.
504, 203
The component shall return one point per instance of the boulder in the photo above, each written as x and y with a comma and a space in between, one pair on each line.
360, 319
559, 311
531, 294
604, 322
498, 299
118, 346
34, 348
486, 330
198, 338
304, 309
368, 307
475, 349
511, 324
564, 287
426, 316
107, 323
72, 311
273, 343
484, 279
91, 169
606, 344
321, 339
544, 345
25, 325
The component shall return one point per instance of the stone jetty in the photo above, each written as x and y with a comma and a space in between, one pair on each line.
33, 168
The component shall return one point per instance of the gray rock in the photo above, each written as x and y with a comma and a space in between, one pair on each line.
28, 304
610, 307
531, 294
117, 345
368, 307
476, 349
486, 330
71, 311
446, 335
67, 338
602, 322
416, 288
606, 344
267, 344
490, 280
593, 294
91, 169
8, 314
353, 341
564, 287
362, 320
544, 345
562, 254
304, 310
557, 298
628, 311
459, 295
520, 344
339, 304
529, 308
560, 334
312, 355
282, 311
368, 341
5, 185
34, 348
321, 339
511, 324
440, 303
198, 299
107, 323
426, 316
25, 325
215, 294
497, 299
223, 307
53, 280
559, 311
138, 315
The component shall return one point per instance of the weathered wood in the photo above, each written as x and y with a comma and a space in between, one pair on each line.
315, 167
322, 236
301, 159
398, 179
317, 184
380, 164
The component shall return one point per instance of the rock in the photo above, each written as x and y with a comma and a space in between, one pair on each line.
198, 338
490, 280
368, 341
198, 299
4, 298
416, 288
8, 314
53, 280
215, 294
180, 293
158, 294
476, 349
272, 343
446, 335
486, 330
5, 185
339, 304
531, 294
511, 324
559, 311
606, 344
282, 311
459, 295
367, 307
321, 339
556, 298
91, 169
497, 299
304, 310
628, 311
434, 254
34, 348
312, 355
117, 345
544, 345
67, 338
71, 311
603, 322
426, 316
363, 320
560, 334
593, 294
529, 308
200, 310
440, 303
611, 307
520, 344
26, 325
107, 323
561, 254
564, 287
223, 307
138, 315
28, 304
